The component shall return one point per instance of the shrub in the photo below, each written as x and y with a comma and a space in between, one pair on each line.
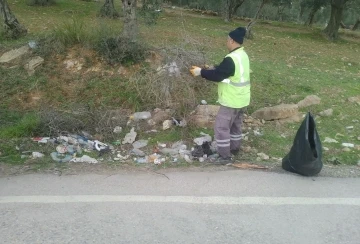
40, 2
121, 50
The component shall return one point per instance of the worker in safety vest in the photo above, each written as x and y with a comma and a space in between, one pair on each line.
233, 78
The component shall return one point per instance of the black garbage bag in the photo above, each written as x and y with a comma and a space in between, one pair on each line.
305, 155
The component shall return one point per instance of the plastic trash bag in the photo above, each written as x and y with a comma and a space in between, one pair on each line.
305, 155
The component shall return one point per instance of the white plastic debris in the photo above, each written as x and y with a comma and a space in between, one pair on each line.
140, 143
349, 127
130, 137
37, 155
141, 116
205, 138
203, 102
84, 159
138, 152
117, 129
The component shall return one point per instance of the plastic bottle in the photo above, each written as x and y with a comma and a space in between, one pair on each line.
141, 115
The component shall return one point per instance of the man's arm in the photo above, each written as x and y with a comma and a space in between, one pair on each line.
225, 69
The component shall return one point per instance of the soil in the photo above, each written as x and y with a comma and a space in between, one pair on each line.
340, 171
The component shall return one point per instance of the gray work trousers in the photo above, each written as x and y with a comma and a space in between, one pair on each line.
228, 130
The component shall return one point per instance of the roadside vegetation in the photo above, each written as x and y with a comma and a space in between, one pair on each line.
289, 61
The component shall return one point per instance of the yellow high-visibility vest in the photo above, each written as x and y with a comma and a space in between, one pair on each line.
234, 92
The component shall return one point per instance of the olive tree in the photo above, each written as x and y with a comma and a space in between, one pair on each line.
11, 25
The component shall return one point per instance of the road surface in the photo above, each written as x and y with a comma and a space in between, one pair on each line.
235, 206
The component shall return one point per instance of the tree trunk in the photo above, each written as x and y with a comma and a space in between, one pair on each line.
108, 10
130, 29
249, 34
313, 11
356, 24
237, 6
12, 26
227, 10
332, 29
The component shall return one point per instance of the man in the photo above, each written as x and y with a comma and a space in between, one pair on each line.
233, 77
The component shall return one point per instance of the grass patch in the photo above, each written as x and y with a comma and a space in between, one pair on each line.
286, 59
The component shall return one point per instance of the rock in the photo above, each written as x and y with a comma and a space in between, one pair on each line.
354, 99
33, 64
347, 145
326, 113
246, 149
14, 55
167, 124
308, 101
294, 97
330, 140
281, 111
160, 116
130, 137
293, 119
207, 110
263, 156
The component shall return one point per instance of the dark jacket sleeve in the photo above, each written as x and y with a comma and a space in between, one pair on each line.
225, 69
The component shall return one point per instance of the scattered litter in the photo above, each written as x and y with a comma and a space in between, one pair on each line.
60, 157
203, 102
346, 149
41, 139
170, 151
116, 143
32, 44
84, 159
187, 158
120, 157
140, 143
349, 127
205, 138
330, 140
347, 144
249, 166
180, 123
37, 155
257, 133
138, 152
130, 137
117, 129
141, 160
161, 144
325, 149
140, 116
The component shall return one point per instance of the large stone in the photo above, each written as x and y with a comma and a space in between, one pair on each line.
326, 113
308, 101
354, 99
205, 116
14, 55
33, 64
293, 119
160, 116
207, 110
281, 111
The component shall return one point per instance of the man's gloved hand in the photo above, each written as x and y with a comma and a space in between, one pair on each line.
195, 71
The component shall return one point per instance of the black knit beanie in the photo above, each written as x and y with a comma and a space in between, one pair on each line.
238, 35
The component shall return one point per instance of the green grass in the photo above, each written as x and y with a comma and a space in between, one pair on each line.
286, 59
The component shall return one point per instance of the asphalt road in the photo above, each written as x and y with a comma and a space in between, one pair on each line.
180, 207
